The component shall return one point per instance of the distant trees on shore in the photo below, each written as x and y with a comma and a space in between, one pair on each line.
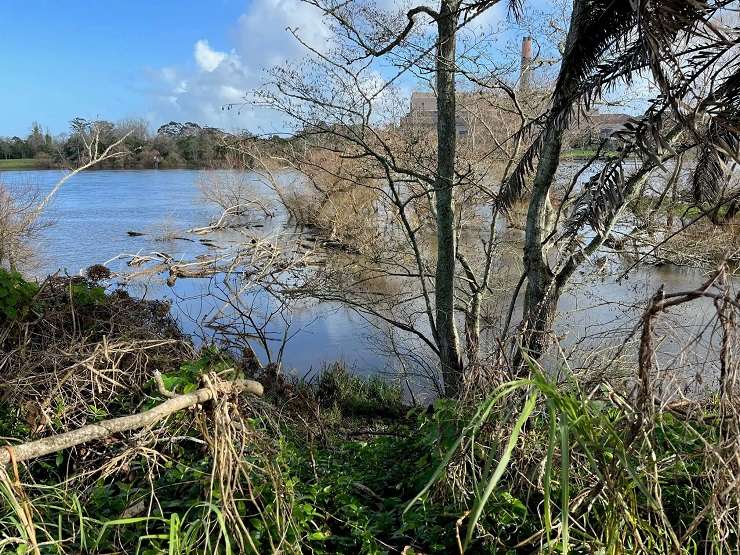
173, 145
37, 143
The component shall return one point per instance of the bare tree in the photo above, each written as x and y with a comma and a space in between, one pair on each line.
341, 104
92, 153
17, 226
21, 208
438, 182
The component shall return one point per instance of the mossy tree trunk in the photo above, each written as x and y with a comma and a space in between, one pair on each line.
447, 335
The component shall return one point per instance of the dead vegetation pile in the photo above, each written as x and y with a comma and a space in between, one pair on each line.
74, 348
704, 244
113, 423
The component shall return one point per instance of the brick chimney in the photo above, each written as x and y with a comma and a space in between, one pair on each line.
525, 77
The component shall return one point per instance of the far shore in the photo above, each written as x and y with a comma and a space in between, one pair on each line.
16, 164
19, 164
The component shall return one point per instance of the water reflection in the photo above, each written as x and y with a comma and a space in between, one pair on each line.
94, 212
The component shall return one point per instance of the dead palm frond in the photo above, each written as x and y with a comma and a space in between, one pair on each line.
720, 142
611, 43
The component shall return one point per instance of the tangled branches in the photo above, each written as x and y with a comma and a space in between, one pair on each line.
77, 349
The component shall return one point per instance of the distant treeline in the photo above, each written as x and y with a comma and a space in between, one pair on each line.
174, 145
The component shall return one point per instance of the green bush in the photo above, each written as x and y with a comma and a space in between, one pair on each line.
16, 295
87, 295
356, 395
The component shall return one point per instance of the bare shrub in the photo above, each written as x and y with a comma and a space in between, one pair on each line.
236, 191
327, 196
19, 226
704, 244
166, 230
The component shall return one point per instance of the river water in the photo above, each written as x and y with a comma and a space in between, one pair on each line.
89, 222
91, 215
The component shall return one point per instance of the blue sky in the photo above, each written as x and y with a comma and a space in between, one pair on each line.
159, 60
99, 58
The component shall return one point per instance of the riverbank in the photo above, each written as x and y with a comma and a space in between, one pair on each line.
586, 154
45, 164
335, 464
24, 164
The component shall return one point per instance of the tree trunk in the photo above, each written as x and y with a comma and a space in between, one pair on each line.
447, 336
539, 306
472, 330
542, 294
539, 320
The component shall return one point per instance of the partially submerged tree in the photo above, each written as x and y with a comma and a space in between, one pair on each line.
684, 47
344, 104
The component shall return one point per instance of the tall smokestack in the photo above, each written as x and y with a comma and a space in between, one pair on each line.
525, 77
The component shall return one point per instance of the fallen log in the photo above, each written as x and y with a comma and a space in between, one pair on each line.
100, 430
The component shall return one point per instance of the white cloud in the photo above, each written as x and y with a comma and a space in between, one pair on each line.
263, 30
220, 78
207, 58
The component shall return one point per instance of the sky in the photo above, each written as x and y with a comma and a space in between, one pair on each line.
160, 60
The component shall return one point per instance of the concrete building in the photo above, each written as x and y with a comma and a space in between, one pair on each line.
471, 106
423, 112
595, 127
607, 125
485, 112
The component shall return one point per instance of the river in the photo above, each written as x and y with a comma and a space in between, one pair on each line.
91, 216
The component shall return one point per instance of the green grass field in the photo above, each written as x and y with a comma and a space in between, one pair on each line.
582, 153
20, 164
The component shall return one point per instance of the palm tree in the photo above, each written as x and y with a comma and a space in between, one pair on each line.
692, 57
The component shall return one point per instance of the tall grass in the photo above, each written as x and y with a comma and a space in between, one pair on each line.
626, 483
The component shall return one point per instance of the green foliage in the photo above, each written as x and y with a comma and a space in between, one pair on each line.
84, 294
648, 491
352, 495
174, 145
21, 164
586, 153
187, 378
16, 295
357, 395
10, 424
536, 464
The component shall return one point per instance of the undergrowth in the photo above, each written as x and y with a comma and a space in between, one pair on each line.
369, 485
340, 465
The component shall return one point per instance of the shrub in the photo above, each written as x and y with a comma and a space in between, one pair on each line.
358, 395
16, 295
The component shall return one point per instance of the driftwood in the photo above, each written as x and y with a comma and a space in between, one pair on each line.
235, 210
100, 430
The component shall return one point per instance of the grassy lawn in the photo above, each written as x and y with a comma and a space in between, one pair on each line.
584, 153
20, 164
